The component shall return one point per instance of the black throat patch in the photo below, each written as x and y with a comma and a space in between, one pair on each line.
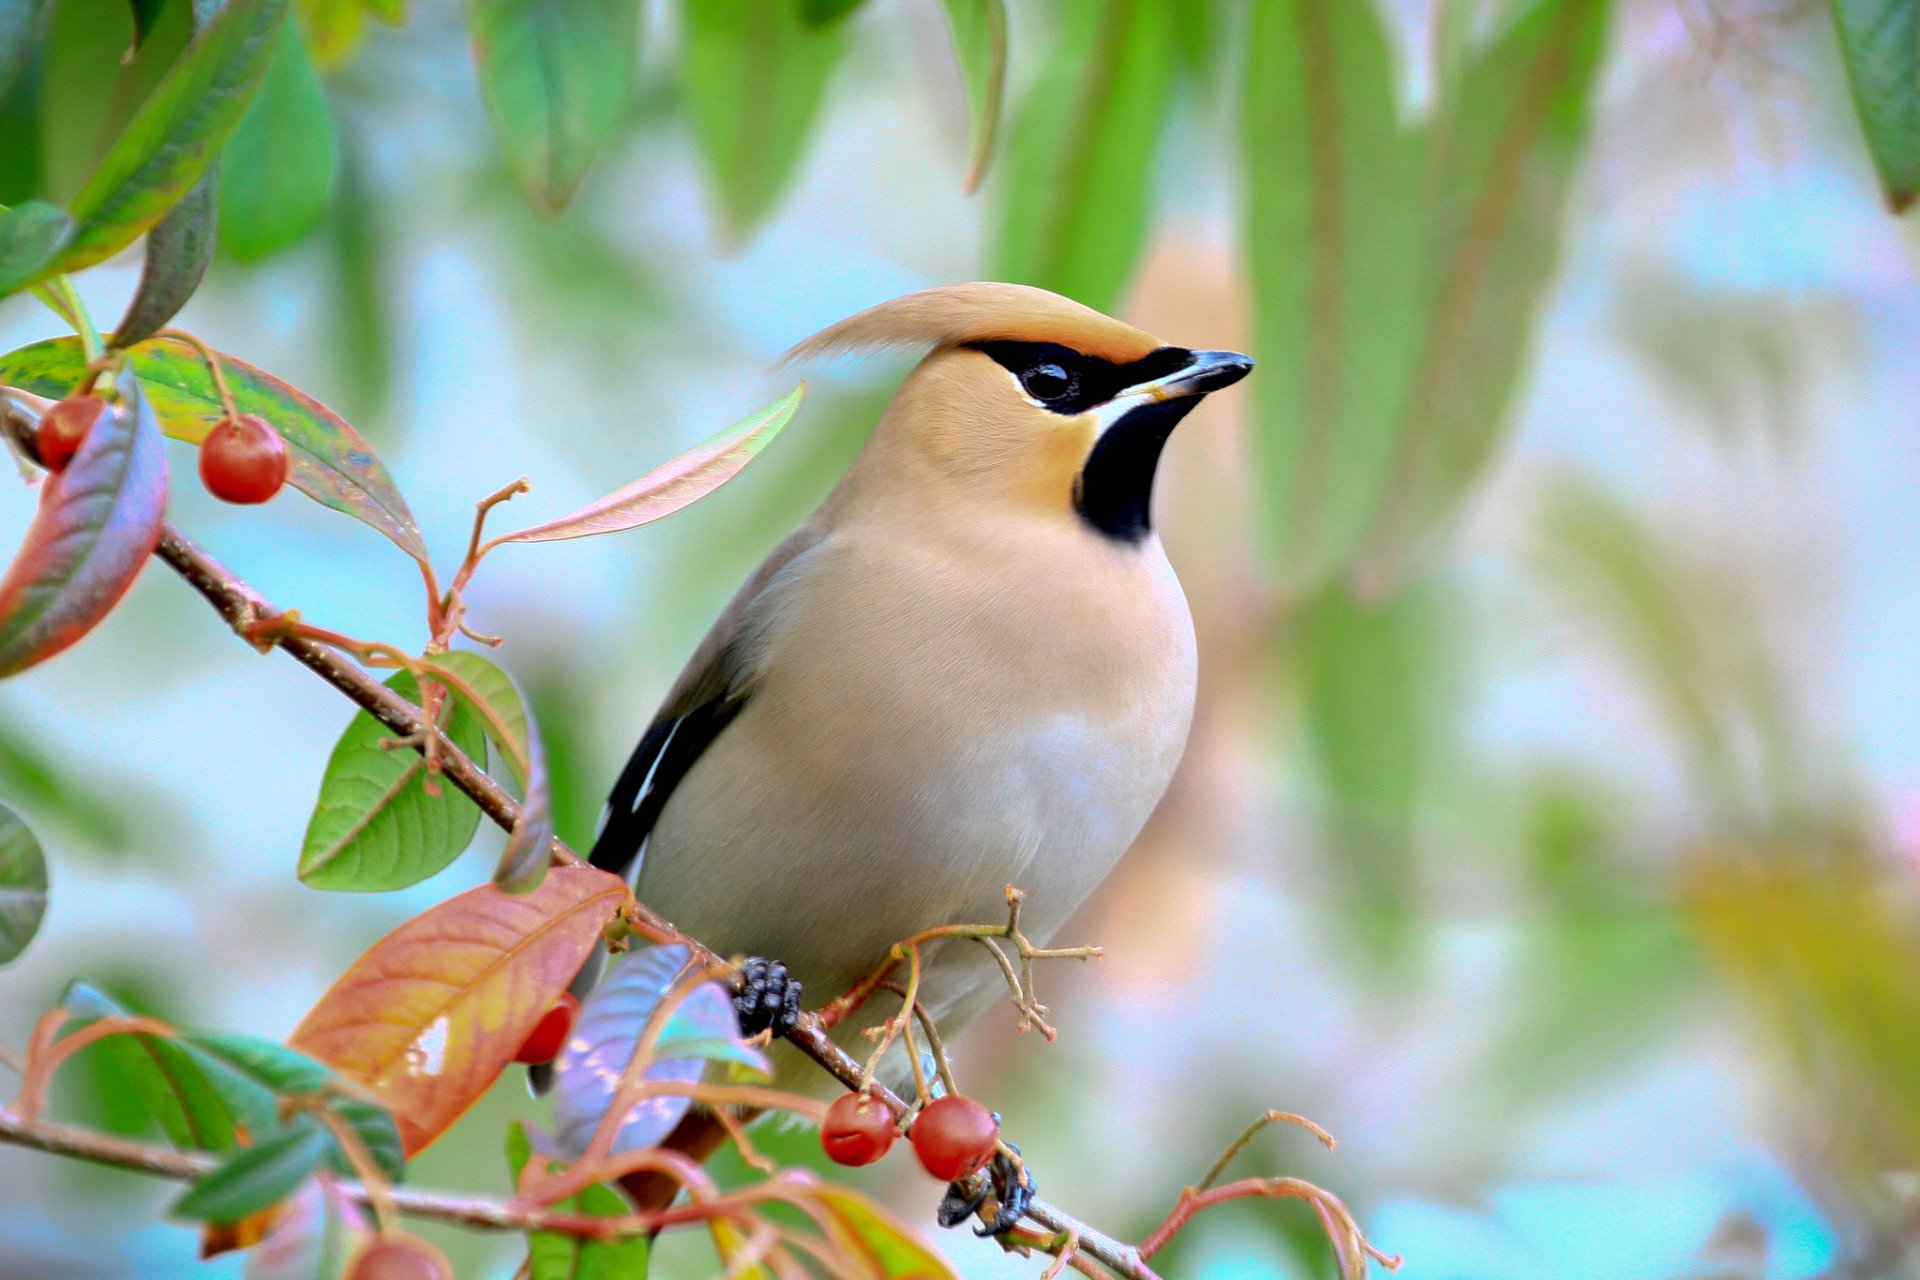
1114, 490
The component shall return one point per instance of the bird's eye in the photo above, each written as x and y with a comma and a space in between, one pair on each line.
1048, 382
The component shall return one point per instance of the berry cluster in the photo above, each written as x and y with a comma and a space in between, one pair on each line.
243, 459
953, 1136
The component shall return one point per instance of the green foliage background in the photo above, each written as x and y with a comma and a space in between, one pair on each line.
1549, 820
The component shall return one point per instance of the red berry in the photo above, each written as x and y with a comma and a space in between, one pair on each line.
63, 427
858, 1129
243, 460
544, 1042
954, 1136
399, 1257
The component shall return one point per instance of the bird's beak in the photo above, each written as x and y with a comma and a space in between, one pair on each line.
1210, 371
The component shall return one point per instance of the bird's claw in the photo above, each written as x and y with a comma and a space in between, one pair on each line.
766, 999
1011, 1186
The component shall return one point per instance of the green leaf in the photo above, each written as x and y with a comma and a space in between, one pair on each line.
502, 713
1505, 151
507, 728
868, 1232
554, 1255
176, 133
277, 172
1335, 248
558, 78
1880, 44
375, 827
277, 1070
258, 1177
980, 43
754, 76
332, 463
191, 1111
31, 235
1369, 682
1079, 168
20, 30
97, 523
23, 885
179, 249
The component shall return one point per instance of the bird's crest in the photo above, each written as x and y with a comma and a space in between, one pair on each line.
979, 312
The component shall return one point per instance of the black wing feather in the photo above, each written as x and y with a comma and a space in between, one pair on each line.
670, 748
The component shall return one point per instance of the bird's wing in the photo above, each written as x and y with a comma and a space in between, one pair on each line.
716, 683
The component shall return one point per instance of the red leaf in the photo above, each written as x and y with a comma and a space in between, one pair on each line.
98, 522
674, 484
428, 1016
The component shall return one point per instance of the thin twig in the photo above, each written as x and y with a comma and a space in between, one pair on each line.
1271, 1117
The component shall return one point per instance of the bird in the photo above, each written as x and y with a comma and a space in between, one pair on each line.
971, 667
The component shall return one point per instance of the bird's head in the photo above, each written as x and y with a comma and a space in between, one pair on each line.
1029, 399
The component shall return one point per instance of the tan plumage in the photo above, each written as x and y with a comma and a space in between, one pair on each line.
967, 669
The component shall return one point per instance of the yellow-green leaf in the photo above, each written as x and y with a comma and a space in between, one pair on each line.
176, 133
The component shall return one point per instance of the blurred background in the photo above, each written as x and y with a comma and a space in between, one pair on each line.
1551, 824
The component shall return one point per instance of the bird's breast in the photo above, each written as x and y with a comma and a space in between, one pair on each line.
927, 726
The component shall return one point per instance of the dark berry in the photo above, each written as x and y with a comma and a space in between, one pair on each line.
399, 1257
954, 1136
858, 1129
63, 427
243, 460
549, 1035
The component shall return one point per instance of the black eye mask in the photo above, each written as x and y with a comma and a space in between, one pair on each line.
1069, 383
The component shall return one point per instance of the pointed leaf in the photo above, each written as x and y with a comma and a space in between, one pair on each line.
980, 43
179, 248
429, 1015
31, 236
1505, 151
331, 463
176, 133
23, 885
504, 717
558, 78
277, 171
676, 484
178, 251
1335, 247
523, 863
259, 1176
754, 75
502, 712
375, 827
888, 1247
1880, 44
98, 522
611, 1021
190, 1110
312, 1239
1078, 173
555, 1255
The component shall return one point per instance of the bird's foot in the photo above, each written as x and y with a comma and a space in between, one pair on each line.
766, 999
1008, 1181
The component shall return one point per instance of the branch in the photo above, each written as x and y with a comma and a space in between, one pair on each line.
188, 1166
240, 606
